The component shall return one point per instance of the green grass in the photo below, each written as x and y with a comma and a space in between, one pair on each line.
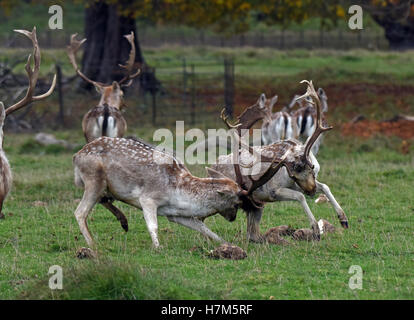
259, 63
371, 179
373, 188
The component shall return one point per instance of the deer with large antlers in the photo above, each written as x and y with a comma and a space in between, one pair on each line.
33, 75
141, 175
298, 175
105, 119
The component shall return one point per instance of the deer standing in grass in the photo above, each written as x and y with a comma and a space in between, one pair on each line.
297, 177
298, 124
33, 75
138, 174
106, 118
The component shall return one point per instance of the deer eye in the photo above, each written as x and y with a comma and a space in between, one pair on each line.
298, 167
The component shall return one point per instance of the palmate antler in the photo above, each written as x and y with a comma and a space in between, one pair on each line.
33, 75
319, 129
275, 164
253, 114
126, 81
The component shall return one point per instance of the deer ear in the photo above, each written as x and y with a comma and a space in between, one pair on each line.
262, 101
215, 174
273, 101
321, 93
99, 89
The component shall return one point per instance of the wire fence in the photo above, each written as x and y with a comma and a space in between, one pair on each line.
191, 90
340, 38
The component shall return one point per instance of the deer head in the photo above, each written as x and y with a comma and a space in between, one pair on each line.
293, 155
248, 187
111, 94
262, 109
301, 167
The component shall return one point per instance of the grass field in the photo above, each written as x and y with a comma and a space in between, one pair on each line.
373, 183
371, 179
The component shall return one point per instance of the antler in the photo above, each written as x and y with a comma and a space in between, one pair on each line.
74, 47
269, 173
310, 92
33, 75
251, 115
274, 167
71, 49
130, 62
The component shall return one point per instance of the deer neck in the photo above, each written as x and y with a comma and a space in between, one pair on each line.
200, 192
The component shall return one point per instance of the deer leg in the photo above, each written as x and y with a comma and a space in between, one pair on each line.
150, 215
253, 225
321, 187
116, 212
285, 194
1, 208
91, 195
197, 225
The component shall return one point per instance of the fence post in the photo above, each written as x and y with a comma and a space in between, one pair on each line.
321, 36
302, 38
61, 114
229, 86
154, 102
193, 93
184, 97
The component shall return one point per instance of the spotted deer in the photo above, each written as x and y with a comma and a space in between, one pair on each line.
106, 118
33, 75
297, 177
136, 173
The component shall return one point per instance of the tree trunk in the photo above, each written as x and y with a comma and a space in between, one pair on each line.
400, 36
106, 46
397, 21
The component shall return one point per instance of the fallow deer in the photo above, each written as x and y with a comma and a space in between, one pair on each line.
145, 177
33, 74
105, 119
298, 124
278, 126
297, 177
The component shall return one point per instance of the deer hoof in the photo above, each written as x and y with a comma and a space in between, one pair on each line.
124, 225
229, 251
257, 239
86, 253
344, 224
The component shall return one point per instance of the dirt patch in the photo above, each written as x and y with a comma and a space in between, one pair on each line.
367, 128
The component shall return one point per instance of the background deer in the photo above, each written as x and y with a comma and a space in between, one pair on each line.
105, 119
297, 177
138, 174
277, 126
33, 75
298, 124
